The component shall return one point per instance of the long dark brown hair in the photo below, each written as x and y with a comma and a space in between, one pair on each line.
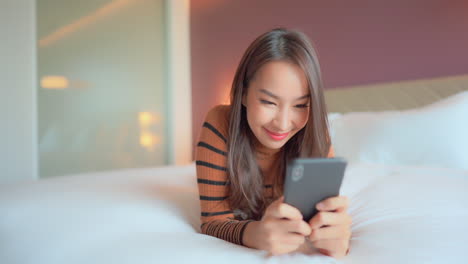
246, 180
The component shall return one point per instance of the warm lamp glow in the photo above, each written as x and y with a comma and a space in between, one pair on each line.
225, 82
227, 98
149, 140
146, 140
54, 82
146, 119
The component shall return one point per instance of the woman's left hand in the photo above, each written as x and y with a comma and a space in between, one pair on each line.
331, 227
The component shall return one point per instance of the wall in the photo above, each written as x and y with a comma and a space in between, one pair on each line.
358, 42
18, 154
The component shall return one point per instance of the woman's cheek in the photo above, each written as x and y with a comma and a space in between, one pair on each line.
301, 118
254, 116
261, 114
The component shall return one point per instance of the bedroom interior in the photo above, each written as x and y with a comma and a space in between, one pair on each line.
80, 190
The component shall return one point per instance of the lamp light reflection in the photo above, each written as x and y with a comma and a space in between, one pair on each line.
148, 139
54, 82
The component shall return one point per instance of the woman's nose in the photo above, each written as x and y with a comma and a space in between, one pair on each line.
282, 121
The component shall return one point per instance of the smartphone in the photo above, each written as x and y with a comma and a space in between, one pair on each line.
311, 180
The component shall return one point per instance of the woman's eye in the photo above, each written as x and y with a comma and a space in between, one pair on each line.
302, 105
266, 102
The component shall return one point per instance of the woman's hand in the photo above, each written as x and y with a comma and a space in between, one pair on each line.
281, 230
331, 227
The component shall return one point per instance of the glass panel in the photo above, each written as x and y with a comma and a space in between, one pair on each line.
101, 102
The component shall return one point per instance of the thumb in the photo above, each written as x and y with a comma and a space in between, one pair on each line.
273, 207
280, 200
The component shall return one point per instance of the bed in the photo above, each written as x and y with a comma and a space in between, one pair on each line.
407, 180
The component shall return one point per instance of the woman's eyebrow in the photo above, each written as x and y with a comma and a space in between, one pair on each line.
277, 97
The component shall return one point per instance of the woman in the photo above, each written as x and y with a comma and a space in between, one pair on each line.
277, 113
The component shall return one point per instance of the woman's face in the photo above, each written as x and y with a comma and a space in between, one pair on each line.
277, 103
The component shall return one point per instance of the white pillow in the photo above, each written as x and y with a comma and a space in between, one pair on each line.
434, 135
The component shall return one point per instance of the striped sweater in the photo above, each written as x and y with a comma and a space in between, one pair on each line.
217, 218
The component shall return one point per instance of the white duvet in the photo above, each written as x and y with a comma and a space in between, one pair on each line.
400, 215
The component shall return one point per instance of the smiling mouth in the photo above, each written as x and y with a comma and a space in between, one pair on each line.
276, 136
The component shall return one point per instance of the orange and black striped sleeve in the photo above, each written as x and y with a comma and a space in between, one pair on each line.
217, 218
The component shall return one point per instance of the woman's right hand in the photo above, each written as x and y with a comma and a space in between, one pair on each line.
281, 229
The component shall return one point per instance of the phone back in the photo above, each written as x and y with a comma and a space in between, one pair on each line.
311, 180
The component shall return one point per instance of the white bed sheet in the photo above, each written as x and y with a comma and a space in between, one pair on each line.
400, 215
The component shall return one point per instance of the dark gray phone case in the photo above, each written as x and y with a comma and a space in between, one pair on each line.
311, 180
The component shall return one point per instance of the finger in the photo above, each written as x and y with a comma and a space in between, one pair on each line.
294, 239
332, 247
330, 219
331, 232
297, 226
284, 210
341, 210
325, 252
280, 199
270, 211
333, 203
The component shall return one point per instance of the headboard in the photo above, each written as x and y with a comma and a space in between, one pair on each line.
393, 96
